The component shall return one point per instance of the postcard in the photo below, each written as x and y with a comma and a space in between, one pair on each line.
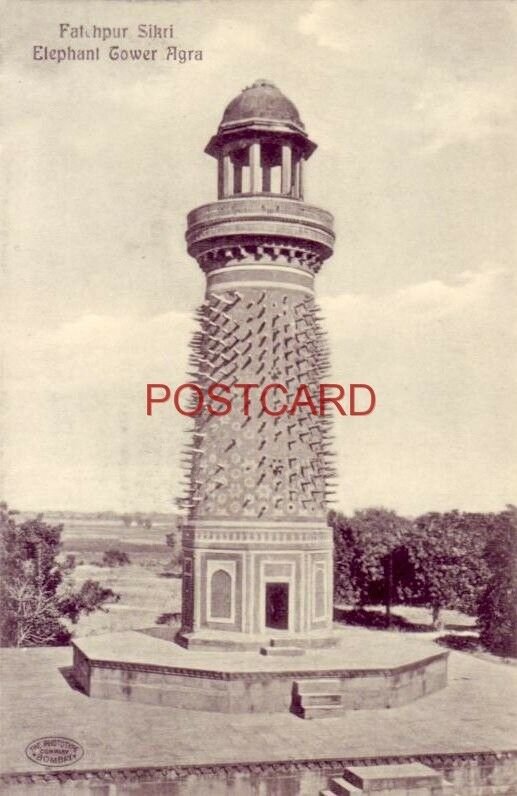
258, 451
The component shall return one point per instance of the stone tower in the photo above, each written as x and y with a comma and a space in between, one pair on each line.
257, 549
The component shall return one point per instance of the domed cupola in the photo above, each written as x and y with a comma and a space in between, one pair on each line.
260, 144
262, 103
260, 219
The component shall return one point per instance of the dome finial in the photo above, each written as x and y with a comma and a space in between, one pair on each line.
260, 83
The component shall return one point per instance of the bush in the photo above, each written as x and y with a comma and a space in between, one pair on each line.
446, 553
34, 595
497, 612
70, 563
169, 618
114, 557
90, 597
439, 560
370, 563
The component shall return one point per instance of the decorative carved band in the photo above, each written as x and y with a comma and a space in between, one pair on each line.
261, 525
244, 535
300, 234
300, 255
265, 769
262, 206
265, 676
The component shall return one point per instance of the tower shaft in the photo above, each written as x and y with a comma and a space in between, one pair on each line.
257, 549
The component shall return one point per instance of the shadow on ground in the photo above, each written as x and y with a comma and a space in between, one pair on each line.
464, 642
67, 672
377, 620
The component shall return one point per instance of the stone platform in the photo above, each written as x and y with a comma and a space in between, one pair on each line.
395, 779
137, 667
264, 643
466, 731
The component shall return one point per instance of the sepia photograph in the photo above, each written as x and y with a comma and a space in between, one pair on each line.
258, 512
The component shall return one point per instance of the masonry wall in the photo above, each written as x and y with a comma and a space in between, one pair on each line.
474, 774
257, 692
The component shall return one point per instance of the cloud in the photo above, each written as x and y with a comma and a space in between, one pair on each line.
105, 164
435, 354
97, 351
433, 351
425, 302
454, 69
451, 111
73, 417
362, 31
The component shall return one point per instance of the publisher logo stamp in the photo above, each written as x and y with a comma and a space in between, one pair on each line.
54, 751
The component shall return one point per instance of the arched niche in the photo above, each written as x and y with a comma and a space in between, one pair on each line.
220, 595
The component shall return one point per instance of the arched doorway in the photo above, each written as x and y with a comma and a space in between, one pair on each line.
277, 606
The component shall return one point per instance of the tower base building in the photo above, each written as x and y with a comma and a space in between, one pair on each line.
257, 571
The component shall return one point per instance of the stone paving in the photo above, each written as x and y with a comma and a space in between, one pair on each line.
388, 650
476, 712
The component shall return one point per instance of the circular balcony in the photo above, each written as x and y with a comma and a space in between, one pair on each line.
262, 217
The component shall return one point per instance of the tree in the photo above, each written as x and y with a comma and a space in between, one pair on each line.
347, 587
173, 540
446, 551
34, 595
89, 598
497, 611
369, 549
115, 558
127, 519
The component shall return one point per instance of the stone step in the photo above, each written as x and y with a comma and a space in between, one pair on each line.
317, 699
340, 787
349, 790
395, 778
290, 641
318, 711
324, 685
278, 651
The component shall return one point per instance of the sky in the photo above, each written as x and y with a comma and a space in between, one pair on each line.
413, 107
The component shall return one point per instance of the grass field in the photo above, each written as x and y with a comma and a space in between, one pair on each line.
145, 590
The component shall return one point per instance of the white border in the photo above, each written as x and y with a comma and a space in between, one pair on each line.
324, 567
259, 283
